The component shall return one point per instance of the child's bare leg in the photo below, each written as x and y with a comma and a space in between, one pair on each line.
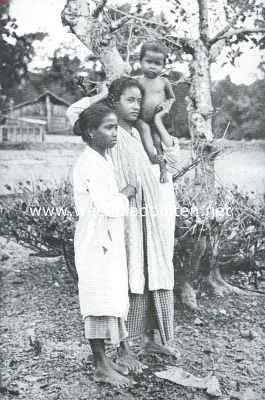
162, 164
104, 371
147, 140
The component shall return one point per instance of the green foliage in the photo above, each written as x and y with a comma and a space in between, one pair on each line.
38, 216
15, 54
60, 77
234, 227
243, 106
235, 233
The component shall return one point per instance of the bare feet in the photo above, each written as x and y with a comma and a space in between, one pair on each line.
121, 369
127, 359
152, 347
108, 375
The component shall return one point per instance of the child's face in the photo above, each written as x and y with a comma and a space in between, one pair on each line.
152, 64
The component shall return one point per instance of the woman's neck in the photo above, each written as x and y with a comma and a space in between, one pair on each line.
99, 150
125, 125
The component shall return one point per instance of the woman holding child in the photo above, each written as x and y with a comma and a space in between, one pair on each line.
149, 226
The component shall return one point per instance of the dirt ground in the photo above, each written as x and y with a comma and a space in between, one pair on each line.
39, 302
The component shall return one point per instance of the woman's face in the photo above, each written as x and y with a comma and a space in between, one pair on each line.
129, 105
105, 135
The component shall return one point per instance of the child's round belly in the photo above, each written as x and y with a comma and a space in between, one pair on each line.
149, 106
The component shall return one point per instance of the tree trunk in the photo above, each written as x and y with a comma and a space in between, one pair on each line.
200, 112
96, 31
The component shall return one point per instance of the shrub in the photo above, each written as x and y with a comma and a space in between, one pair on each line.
235, 240
38, 216
43, 219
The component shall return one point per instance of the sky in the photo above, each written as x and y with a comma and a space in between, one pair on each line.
44, 16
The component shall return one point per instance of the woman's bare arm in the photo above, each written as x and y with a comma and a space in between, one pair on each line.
76, 108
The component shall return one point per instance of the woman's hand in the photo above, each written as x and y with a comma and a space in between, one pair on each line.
157, 158
160, 111
164, 108
129, 191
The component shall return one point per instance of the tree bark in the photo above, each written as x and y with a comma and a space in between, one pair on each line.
96, 31
200, 111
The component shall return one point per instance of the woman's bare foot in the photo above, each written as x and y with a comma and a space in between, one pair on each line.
105, 374
121, 369
152, 347
127, 359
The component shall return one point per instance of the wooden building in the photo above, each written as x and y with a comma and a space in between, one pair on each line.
23, 130
29, 121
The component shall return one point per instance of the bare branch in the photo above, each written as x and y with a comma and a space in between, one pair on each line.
220, 34
233, 22
129, 43
150, 22
181, 80
99, 8
116, 25
178, 42
229, 34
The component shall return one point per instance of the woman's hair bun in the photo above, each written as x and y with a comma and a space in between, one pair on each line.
77, 129
90, 119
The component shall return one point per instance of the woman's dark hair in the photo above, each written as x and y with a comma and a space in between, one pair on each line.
118, 86
90, 119
155, 46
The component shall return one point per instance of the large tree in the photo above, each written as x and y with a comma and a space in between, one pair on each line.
16, 51
214, 26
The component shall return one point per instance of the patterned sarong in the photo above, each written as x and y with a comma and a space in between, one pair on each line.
112, 329
153, 309
149, 311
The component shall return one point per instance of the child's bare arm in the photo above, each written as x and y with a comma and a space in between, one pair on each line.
170, 98
165, 137
147, 140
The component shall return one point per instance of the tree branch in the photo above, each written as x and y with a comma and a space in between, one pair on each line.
204, 20
181, 80
97, 35
229, 34
99, 8
129, 43
220, 34
150, 22
177, 42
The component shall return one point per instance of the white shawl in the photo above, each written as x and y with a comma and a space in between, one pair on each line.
133, 166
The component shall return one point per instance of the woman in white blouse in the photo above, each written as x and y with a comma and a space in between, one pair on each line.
100, 255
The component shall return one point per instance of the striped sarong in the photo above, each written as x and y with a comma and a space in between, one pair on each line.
152, 310
149, 311
112, 329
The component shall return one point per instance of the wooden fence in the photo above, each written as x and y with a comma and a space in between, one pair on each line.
34, 133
